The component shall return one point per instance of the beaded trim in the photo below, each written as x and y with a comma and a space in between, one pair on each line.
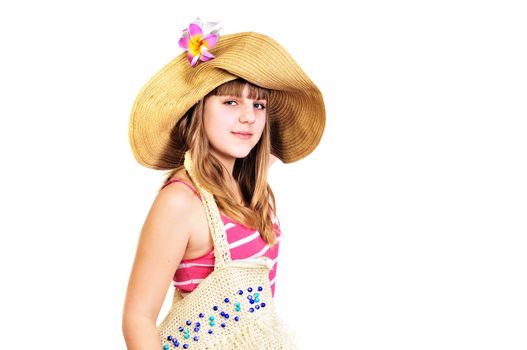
232, 310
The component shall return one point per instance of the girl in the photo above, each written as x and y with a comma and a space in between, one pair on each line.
245, 101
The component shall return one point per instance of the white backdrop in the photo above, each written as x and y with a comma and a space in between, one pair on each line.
404, 229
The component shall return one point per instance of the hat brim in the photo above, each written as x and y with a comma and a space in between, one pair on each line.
295, 105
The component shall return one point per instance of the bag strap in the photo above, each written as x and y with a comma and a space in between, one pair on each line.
222, 253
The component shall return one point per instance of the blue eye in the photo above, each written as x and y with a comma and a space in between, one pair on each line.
229, 102
259, 104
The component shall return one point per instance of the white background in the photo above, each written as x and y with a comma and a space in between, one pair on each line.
405, 228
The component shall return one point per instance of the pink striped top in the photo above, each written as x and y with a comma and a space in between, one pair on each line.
243, 242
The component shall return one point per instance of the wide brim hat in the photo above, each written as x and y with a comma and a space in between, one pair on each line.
295, 105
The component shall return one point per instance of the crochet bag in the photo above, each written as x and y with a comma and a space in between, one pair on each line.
233, 307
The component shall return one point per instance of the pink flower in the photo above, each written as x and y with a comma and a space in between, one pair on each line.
197, 43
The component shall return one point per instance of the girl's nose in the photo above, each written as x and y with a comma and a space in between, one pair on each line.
247, 112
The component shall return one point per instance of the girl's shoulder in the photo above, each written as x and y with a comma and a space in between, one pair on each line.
182, 194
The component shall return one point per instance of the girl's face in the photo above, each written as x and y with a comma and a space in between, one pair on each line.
225, 116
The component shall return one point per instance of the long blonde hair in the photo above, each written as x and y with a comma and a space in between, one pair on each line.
250, 172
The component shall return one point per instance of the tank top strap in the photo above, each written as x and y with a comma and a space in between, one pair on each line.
184, 182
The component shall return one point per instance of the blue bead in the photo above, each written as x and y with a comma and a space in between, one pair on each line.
240, 292
211, 323
186, 336
249, 297
180, 329
227, 316
185, 331
188, 323
215, 308
262, 304
165, 347
169, 337
251, 310
251, 301
196, 329
198, 324
249, 289
201, 315
210, 331
226, 300
257, 307
256, 295
237, 318
175, 342
196, 338
185, 346
211, 318
260, 288
223, 325
222, 313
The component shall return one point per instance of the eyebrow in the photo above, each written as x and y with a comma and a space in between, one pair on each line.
257, 99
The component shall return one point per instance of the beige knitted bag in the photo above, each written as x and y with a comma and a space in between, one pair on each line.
233, 307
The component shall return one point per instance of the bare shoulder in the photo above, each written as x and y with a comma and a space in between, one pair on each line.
168, 213
176, 199
179, 197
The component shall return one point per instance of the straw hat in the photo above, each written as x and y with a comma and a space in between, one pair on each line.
296, 108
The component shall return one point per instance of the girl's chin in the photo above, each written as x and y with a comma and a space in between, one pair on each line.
241, 154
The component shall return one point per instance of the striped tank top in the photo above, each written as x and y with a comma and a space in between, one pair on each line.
244, 243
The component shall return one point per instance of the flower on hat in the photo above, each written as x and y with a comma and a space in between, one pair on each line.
198, 39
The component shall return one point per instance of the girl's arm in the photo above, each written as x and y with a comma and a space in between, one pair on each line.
162, 244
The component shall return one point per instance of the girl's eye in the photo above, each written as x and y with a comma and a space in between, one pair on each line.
258, 106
